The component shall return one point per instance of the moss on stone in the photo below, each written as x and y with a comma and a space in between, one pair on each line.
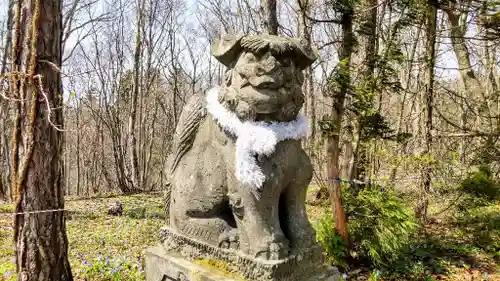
220, 266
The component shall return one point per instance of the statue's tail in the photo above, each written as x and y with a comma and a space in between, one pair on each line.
191, 116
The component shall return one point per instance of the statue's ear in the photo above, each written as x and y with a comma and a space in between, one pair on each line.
227, 49
306, 54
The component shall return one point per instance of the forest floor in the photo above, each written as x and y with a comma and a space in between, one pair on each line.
103, 247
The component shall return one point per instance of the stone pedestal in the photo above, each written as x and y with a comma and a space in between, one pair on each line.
164, 266
183, 259
168, 266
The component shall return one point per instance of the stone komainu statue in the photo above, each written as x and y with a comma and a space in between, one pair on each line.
238, 172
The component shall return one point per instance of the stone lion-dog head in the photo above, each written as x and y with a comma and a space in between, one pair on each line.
265, 75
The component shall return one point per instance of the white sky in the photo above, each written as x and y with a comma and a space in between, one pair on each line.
446, 64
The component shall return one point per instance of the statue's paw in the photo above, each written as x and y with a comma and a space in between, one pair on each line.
274, 251
230, 239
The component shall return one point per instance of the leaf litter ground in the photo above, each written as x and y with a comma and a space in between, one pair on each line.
95, 237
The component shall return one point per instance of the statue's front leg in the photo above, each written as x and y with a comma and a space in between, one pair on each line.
258, 222
294, 216
199, 202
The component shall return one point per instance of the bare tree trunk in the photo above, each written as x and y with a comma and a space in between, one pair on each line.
8, 37
41, 242
490, 73
78, 145
133, 107
4, 158
133, 111
4, 113
365, 62
4, 150
407, 85
332, 147
305, 30
458, 25
431, 15
348, 142
473, 88
103, 165
269, 19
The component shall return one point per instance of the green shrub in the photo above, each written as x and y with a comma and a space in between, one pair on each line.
155, 212
423, 255
480, 184
136, 213
332, 243
379, 224
107, 269
375, 276
482, 224
145, 212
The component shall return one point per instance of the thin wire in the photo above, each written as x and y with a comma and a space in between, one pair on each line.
357, 181
36, 212
61, 210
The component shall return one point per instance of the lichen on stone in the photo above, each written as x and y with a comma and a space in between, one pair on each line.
221, 266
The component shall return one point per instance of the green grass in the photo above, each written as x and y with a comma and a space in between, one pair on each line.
6, 208
103, 247
461, 246
465, 247
98, 242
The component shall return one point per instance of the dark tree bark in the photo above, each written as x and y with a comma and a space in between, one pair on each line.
332, 143
431, 14
269, 17
133, 110
37, 162
78, 144
365, 65
4, 112
305, 30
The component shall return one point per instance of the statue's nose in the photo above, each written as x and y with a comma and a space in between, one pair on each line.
267, 66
